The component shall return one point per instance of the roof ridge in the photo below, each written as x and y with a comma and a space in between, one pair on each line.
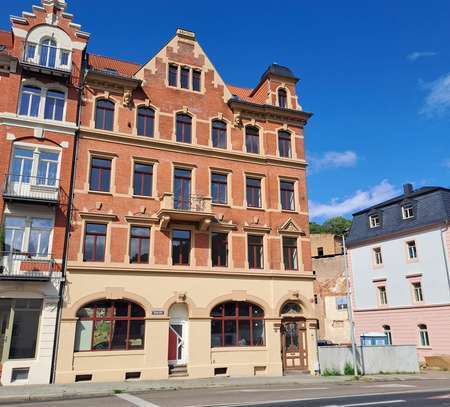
240, 87
113, 58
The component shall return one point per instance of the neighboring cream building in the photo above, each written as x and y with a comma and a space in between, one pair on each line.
330, 288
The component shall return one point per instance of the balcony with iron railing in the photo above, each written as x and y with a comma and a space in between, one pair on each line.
185, 208
31, 189
20, 266
46, 58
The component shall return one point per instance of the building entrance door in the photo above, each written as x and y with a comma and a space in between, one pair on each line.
294, 348
5, 329
177, 345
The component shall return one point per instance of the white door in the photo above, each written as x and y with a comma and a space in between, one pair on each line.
177, 343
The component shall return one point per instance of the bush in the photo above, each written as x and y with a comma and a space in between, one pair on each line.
331, 372
348, 369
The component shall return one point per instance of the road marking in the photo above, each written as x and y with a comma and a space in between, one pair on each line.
271, 390
445, 396
373, 403
391, 385
135, 400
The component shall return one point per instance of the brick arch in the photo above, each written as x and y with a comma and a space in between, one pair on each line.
307, 309
109, 97
71, 312
243, 297
175, 299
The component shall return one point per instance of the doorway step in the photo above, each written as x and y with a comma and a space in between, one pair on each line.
178, 371
295, 372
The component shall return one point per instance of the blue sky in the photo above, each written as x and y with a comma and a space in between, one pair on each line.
376, 75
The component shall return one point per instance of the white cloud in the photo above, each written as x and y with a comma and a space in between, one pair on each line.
416, 55
437, 102
333, 159
359, 200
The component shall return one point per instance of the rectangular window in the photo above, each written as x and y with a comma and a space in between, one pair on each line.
184, 79
30, 101
219, 249
182, 188
290, 253
47, 168
284, 144
64, 60
219, 188
252, 140
418, 294
139, 244
412, 250
287, 195
40, 231
253, 192
181, 246
382, 295
142, 179
407, 211
14, 232
424, 338
25, 328
255, 252
374, 220
196, 77
54, 105
378, 257
100, 174
341, 302
94, 242
173, 75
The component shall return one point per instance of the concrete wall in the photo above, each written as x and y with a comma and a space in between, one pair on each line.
370, 359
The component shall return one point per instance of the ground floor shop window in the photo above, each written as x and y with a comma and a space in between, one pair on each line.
110, 325
19, 326
237, 324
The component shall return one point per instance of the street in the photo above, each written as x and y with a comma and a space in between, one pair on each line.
420, 392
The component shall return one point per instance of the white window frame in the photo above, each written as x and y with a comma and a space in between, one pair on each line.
377, 256
411, 249
382, 294
407, 211
374, 220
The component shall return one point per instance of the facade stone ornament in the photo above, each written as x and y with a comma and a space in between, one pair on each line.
237, 120
127, 97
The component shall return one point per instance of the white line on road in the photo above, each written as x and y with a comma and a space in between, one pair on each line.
271, 390
135, 400
373, 403
391, 385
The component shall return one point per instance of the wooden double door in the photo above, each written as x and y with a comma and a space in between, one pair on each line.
294, 344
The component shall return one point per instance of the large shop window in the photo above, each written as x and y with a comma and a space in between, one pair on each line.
237, 324
104, 114
110, 325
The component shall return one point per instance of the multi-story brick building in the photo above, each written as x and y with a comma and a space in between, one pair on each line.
399, 253
40, 61
188, 251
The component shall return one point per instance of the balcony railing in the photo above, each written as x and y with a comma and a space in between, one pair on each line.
28, 188
185, 208
47, 58
26, 266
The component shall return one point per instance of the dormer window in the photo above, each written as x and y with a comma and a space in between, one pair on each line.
407, 211
374, 220
282, 98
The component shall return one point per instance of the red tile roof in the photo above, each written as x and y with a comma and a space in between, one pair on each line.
244, 94
121, 67
6, 38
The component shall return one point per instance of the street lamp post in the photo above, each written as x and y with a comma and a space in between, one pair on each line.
349, 307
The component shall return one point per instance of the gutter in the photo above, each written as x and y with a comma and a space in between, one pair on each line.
68, 223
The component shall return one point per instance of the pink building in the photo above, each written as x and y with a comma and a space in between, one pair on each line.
399, 254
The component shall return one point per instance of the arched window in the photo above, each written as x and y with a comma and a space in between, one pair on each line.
110, 325
145, 121
387, 331
282, 98
54, 105
30, 100
284, 144
48, 53
219, 134
104, 114
252, 139
423, 334
237, 324
291, 308
184, 128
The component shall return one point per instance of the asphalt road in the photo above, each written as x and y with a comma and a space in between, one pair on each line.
420, 393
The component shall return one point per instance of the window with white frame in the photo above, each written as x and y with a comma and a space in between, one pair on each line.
34, 165
417, 290
29, 235
374, 220
407, 211
54, 105
412, 249
377, 256
388, 333
30, 100
341, 302
32, 97
423, 335
382, 295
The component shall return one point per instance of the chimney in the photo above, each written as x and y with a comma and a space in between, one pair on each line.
407, 189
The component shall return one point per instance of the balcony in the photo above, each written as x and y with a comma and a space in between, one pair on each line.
185, 208
26, 188
47, 59
26, 267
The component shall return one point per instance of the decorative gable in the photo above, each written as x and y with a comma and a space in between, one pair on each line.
290, 227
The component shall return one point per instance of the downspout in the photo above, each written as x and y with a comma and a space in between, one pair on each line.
68, 222
445, 253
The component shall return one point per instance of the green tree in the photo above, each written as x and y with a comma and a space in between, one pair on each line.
315, 228
337, 225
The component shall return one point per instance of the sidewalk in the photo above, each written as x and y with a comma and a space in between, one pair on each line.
12, 394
